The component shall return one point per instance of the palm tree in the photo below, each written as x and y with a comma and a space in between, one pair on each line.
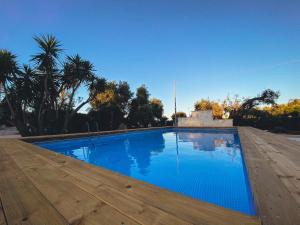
23, 94
8, 71
77, 71
46, 62
17, 88
33, 95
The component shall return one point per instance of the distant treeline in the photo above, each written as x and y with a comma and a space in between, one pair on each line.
277, 117
42, 97
261, 111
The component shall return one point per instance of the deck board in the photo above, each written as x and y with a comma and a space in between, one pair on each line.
273, 174
83, 195
73, 203
2, 216
22, 203
172, 203
38, 186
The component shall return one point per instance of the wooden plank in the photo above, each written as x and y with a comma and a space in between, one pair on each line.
73, 203
275, 204
42, 173
285, 146
273, 167
285, 168
86, 134
2, 216
185, 208
22, 203
99, 133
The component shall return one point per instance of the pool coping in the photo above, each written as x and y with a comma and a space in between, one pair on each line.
88, 134
272, 164
195, 212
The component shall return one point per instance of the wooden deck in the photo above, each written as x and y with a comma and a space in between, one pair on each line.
273, 164
40, 187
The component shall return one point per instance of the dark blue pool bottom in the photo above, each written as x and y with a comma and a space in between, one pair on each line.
205, 164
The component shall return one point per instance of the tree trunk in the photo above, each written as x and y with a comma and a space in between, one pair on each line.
12, 112
111, 119
41, 111
20, 125
66, 123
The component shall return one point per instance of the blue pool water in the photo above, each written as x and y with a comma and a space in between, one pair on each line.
203, 164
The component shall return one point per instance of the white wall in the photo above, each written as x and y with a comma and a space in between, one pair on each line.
203, 119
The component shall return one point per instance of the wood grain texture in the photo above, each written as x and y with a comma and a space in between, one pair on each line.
31, 139
85, 134
274, 175
113, 188
85, 194
2, 216
21, 202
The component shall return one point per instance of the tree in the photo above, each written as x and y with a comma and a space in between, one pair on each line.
142, 95
157, 108
232, 105
268, 97
206, 104
14, 85
139, 113
46, 64
42, 99
292, 109
144, 112
5, 117
178, 115
78, 72
112, 106
8, 71
203, 104
164, 121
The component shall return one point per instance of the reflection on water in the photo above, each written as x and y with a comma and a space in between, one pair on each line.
205, 165
121, 153
229, 142
209, 141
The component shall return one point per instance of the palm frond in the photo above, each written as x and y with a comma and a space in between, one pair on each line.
50, 49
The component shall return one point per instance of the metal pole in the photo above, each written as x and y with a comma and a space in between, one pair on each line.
177, 153
175, 117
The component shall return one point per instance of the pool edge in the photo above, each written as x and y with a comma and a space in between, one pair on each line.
226, 216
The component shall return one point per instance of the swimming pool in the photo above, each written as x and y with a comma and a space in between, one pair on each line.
205, 164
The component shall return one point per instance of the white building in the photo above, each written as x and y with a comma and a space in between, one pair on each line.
203, 119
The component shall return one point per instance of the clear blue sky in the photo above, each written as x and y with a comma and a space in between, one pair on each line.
211, 48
